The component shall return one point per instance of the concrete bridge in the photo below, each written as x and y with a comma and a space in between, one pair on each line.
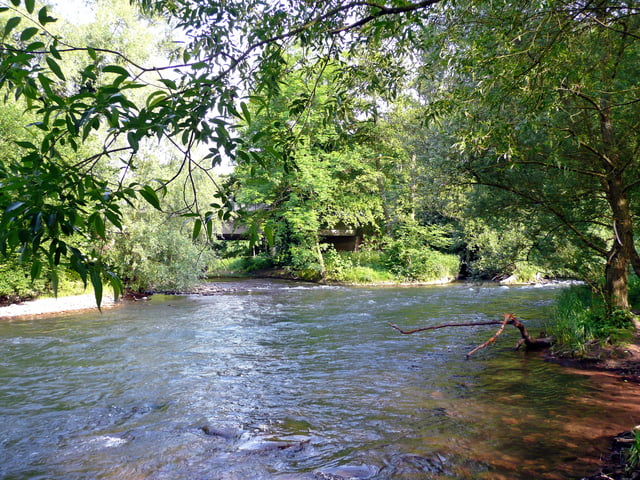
342, 239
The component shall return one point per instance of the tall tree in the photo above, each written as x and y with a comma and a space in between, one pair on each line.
547, 104
228, 46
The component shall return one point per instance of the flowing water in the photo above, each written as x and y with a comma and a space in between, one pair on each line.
279, 380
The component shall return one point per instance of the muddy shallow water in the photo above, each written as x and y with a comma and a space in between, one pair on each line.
280, 380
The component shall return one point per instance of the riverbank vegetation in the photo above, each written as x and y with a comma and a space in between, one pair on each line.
404, 142
581, 325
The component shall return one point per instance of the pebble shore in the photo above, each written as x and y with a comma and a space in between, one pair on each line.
48, 306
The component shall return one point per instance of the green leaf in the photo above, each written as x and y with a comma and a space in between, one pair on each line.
197, 225
43, 16
96, 281
30, 4
55, 68
11, 24
115, 69
114, 218
245, 111
28, 33
16, 3
14, 206
53, 50
150, 196
169, 83
116, 285
155, 98
37, 45
54, 278
98, 225
28, 145
209, 223
36, 268
92, 53
78, 265
132, 138
244, 156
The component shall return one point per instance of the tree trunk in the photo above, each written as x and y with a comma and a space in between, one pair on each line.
617, 279
623, 252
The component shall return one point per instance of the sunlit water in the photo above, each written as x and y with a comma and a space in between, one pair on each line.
277, 380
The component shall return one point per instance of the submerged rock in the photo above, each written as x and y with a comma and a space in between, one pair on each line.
294, 443
224, 433
347, 472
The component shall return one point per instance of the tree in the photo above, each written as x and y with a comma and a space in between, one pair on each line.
306, 172
46, 197
533, 115
546, 105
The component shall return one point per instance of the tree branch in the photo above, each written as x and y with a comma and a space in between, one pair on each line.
509, 319
444, 325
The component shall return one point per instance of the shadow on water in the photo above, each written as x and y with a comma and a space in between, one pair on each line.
280, 380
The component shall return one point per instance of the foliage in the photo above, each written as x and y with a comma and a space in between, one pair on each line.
411, 254
581, 319
154, 250
379, 117
634, 291
542, 99
157, 254
305, 173
361, 267
633, 454
421, 264
233, 266
16, 283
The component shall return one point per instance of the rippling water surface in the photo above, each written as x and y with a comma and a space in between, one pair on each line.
278, 380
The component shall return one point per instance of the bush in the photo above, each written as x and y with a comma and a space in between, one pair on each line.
157, 255
15, 282
582, 320
634, 291
527, 272
356, 267
421, 264
221, 267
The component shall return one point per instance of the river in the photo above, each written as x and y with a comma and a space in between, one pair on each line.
291, 381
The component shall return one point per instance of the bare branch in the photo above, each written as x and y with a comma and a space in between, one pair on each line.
507, 317
444, 325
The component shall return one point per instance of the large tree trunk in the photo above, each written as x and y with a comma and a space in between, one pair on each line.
617, 279
623, 252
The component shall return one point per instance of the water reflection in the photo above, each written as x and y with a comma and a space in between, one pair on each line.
279, 380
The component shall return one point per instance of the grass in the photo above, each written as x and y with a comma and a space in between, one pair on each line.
581, 322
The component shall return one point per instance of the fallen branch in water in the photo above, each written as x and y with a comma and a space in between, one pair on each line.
444, 325
509, 319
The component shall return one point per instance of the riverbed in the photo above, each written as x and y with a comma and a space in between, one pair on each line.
284, 380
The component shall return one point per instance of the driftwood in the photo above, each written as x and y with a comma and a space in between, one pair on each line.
509, 319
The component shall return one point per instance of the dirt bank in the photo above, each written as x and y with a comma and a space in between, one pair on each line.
613, 365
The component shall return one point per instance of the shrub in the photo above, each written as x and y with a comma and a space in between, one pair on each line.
421, 264
634, 291
157, 255
15, 282
581, 320
356, 267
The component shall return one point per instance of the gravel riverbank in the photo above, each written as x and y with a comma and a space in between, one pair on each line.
50, 306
